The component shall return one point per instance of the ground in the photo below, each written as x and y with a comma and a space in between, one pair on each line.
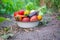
50, 31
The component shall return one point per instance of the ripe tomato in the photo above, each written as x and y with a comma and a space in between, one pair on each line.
15, 14
34, 18
21, 12
26, 19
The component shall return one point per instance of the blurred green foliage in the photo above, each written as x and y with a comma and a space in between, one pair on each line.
10, 6
54, 4
42, 10
58, 17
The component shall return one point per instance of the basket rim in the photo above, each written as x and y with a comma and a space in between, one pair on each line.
27, 22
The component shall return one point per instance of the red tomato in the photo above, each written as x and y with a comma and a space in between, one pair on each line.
21, 12
15, 14
26, 19
34, 18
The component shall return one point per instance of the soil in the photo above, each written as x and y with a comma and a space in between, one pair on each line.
49, 31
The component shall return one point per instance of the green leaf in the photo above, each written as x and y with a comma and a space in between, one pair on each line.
42, 10
30, 6
5, 36
40, 13
6, 29
2, 19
